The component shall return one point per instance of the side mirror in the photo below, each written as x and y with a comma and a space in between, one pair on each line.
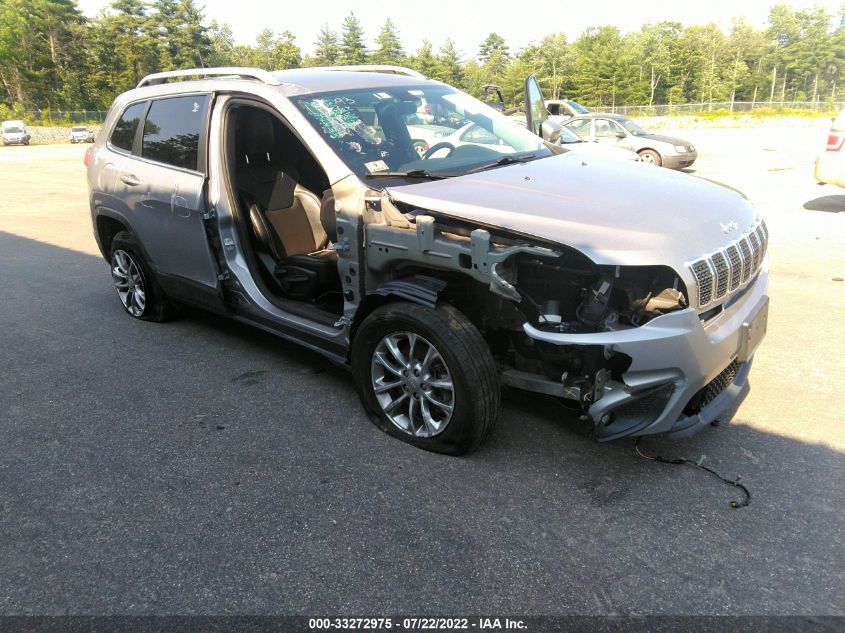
550, 130
620, 135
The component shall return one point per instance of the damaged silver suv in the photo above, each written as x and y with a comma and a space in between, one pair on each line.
299, 202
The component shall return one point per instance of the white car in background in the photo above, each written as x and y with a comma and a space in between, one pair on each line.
562, 109
427, 137
830, 164
15, 133
80, 134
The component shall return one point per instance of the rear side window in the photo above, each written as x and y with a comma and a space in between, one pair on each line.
580, 127
123, 135
172, 130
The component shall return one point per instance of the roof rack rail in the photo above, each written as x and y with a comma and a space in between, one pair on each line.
377, 68
257, 74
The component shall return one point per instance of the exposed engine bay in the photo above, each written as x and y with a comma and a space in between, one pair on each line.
571, 294
552, 287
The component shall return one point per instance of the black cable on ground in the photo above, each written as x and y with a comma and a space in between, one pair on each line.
683, 460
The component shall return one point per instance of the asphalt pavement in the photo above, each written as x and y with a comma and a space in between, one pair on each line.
202, 467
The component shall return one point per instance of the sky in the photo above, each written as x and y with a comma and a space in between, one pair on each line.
468, 22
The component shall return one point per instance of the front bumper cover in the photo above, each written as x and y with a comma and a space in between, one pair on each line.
684, 373
679, 161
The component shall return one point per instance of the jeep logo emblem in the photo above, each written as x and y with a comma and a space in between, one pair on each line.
729, 227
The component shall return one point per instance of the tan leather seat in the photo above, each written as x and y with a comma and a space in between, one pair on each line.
298, 226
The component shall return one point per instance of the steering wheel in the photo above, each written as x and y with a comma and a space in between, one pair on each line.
437, 147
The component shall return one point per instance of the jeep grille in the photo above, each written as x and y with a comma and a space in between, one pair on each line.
730, 267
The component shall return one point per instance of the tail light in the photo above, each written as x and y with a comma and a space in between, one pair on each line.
87, 158
835, 140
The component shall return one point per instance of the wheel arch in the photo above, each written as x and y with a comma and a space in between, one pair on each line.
417, 289
650, 149
456, 289
108, 225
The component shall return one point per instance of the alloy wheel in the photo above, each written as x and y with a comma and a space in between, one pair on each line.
413, 384
129, 282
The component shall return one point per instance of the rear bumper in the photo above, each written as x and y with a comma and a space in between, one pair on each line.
830, 168
683, 374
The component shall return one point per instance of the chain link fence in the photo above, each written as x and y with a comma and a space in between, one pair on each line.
63, 117
722, 106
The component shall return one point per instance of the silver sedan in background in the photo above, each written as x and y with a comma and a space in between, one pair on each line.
615, 129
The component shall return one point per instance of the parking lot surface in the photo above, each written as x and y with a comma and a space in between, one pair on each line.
201, 467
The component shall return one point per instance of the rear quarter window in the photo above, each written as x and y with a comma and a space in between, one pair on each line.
123, 135
580, 127
172, 131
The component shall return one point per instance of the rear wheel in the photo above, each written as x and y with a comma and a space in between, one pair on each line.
427, 376
650, 157
136, 286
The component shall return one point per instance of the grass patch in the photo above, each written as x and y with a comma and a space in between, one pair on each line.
759, 113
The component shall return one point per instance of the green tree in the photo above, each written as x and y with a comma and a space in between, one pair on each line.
389, 46
493, 43
601, 74
222, 44
327, 47
273, 52
448, 67
183, 40
652, 47
352, 47
425, 61
39, 50
553, 62
124, 48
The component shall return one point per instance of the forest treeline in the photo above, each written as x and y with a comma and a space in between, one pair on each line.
52, 56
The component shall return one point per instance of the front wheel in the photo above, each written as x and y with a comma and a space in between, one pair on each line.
427, 376
650, 157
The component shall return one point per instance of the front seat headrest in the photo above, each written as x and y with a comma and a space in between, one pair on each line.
257, 132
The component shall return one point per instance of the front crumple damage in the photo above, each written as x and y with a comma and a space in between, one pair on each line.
684, 373
620, 341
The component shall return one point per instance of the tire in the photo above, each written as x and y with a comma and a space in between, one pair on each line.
461, 359
650, 157
131, 273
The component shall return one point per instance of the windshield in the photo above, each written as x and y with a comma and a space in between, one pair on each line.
577, 106
79, 129
13, 130
396, 130
632, 127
